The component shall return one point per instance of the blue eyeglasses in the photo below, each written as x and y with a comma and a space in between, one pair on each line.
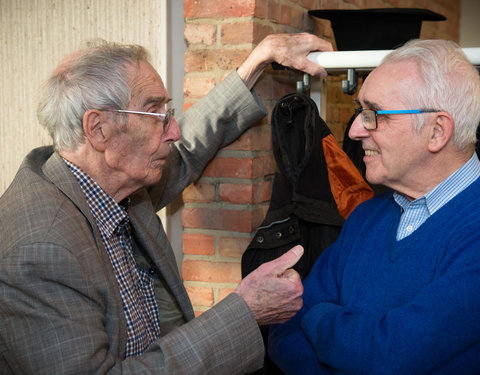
369, 116
165, 118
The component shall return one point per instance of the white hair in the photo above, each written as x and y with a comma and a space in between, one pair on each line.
94, 78
450, 83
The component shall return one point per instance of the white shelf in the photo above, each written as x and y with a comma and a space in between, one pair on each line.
341, 61
368, 60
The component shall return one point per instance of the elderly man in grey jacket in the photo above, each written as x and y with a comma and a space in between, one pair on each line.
88, 280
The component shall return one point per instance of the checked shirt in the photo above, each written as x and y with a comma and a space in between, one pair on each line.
136, 285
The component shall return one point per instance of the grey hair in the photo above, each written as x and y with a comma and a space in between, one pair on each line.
96, 77
449, 83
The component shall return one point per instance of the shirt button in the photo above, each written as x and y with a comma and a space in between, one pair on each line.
409, 228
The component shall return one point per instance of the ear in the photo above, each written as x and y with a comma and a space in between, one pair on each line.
93, 126
441, 131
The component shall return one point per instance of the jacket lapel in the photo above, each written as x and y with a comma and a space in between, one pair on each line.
146, 225
148, 231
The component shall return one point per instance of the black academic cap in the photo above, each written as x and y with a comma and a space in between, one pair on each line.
375, 29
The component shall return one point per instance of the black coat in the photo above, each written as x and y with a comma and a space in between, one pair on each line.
314, 189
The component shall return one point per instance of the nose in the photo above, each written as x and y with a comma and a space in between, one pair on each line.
357, 132
173, 133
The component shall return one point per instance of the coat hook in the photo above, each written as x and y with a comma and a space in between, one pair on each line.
349, 86
303, 86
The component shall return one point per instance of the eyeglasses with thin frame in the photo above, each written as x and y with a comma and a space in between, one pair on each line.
164, 117
369, 116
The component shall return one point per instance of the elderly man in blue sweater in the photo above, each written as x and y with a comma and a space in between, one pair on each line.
399, 291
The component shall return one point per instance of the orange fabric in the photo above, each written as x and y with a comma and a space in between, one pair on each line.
347, 184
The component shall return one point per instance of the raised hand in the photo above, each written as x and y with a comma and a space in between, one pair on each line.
289, 50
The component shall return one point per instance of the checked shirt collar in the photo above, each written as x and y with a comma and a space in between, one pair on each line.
136, 285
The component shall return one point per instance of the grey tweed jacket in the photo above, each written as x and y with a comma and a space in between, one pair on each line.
60, 306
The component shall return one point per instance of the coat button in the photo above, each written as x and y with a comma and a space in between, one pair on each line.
260, 239
278, 235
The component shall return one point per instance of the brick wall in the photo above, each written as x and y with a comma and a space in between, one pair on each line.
223, 208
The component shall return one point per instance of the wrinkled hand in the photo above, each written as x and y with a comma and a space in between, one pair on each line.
274, 291
289, 50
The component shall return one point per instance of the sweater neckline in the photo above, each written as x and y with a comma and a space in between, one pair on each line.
397, 247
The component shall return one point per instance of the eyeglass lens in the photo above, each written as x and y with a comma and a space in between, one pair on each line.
369, 119
168, 116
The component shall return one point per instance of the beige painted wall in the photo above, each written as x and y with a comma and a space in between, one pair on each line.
36, 34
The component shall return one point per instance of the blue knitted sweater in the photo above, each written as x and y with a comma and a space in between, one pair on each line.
375, 305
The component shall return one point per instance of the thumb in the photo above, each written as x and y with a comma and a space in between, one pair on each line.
287, 260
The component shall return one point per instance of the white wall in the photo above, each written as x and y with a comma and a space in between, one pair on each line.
36, 34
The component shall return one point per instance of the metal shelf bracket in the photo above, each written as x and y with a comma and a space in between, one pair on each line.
350, 85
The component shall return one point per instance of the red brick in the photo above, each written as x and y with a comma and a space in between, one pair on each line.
331, 4
215, 8
236, 193
230, 167
260, 31
200, 33
285, 15
261, 9
257, 138
198, 61
206, 60
237, 33
199, 192
370, 3
245, 193
224, 292
200, 295
273, 10
283, 87
251, 168
309, 4
217, 218
301, 20
270, 165
258, 167
262, 191
197, 87
213, 272
233, 246
198, 244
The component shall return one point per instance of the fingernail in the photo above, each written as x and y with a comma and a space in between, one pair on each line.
298, 250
